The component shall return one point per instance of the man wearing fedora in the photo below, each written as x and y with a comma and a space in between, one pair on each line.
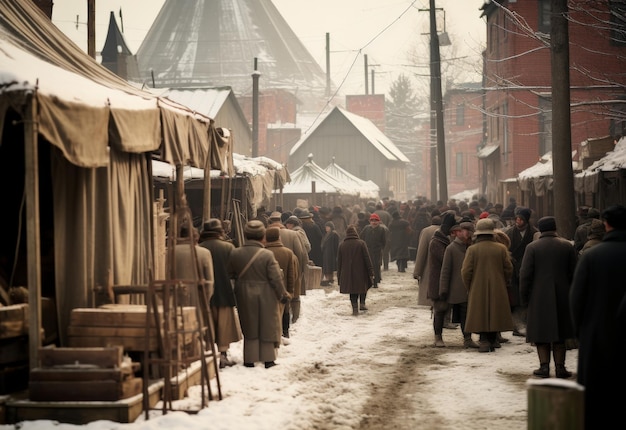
225, 319
486, 269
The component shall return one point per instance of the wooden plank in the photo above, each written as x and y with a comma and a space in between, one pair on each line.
102, 356
64, 374
127, 343
124, 316
63, 391
13, 320
109, 331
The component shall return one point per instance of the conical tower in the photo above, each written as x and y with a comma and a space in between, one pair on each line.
215, 42
115, 54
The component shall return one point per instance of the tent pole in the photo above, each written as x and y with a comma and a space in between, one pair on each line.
33, 244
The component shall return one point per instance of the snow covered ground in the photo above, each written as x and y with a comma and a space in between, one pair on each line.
376, 370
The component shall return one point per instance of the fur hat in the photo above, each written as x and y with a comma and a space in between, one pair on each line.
524, 213
596, 228
275, 216
330, 224
485, 226
272, 234
254, 229
448, 220
547, 223
351, 231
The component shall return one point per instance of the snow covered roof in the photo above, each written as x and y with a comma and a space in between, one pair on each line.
207, 101
367, 189
303, 176
368, 130
77, 97
614, 160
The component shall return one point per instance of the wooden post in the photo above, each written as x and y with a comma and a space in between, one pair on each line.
33, 240
555, 404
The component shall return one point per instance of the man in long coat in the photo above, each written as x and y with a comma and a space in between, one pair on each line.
223, 302
288, 263
598, 306
486, 269
420, 270
545, 278
355, 273
259, 288
375, 235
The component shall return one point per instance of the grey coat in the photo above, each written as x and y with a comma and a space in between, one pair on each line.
545, 277
258, 292
420, 270
450, 280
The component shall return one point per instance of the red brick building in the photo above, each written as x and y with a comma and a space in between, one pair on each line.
517, 82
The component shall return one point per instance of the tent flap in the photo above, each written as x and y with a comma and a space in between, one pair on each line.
135, 131
80, 132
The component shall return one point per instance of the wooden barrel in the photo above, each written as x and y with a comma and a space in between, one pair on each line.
555, 404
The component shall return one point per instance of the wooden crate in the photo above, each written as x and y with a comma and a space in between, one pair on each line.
313, 276
13, 320
123, 325
83, 374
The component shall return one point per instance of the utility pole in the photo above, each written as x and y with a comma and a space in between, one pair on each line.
255, 110
564, 204
91, 28
366, 77
438, 174
327, 64
437, 103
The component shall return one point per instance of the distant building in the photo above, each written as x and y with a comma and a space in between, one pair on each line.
518, 99
357, 145
116, 55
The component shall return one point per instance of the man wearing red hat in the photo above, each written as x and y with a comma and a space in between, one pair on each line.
375, 236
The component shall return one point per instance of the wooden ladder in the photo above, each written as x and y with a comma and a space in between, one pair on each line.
175, 352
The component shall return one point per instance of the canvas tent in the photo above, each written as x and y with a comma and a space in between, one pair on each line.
366, 189
81, 140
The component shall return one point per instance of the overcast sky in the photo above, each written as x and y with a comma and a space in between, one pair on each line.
386, 31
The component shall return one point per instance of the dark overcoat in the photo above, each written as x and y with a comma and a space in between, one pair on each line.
598, 307
330, 245
517, 248
436, 249
223, 293
420, 270
400, 232
450, 280
354, 266
545, 278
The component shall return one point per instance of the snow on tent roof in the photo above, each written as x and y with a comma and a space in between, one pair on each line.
304, 175
612, 161
367, 189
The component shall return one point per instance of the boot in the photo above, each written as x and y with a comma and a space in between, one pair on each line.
295, 310
439, 341
468, 342
558, 352
562, 372
543, 352
501, 339
362, 306
355, 309
484, 346
543, 371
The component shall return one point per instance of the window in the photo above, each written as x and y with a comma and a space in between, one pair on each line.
618, 22
459, 164
545, 9
460, 114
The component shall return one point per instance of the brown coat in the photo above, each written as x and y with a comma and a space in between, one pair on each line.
486, 269
288, 262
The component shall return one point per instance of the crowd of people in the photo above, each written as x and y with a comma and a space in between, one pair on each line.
483, 267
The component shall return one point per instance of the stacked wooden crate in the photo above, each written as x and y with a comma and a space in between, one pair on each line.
125, 325
13, 348
83, 374
593, 149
